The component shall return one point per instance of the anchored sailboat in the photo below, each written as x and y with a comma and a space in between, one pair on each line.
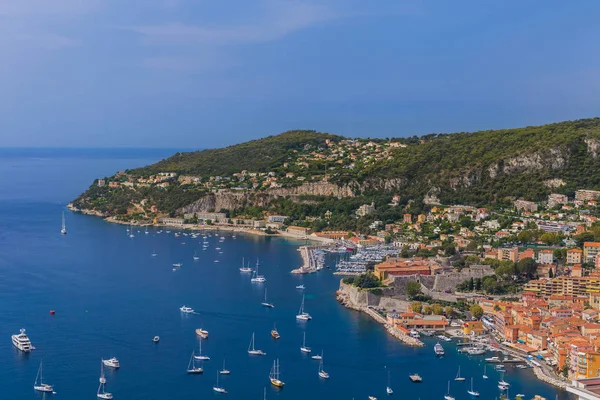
302, 315
388, 388
322, 373
64, 225
200, 356
458, 377
102, 393
252, 351
39, 384
192, 369
274, 375
448, 396
218, 388
484, 371
265, 303
256, 277
305, 349
473, 392
224, 371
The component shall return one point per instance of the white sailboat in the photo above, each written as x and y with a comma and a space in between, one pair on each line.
448, 396
458, 377
322, 373
256, 277
131, 235
146, 231
265, 303
154, 253
388, 388
196, 258
218, 388
473, 392
39, 384
302, 315
200, 356
243, 268
102, 393
305, 349
64, 225
192, 369
252, 351
484, 372
224, 371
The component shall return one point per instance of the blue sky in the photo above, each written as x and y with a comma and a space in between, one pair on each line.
207, 73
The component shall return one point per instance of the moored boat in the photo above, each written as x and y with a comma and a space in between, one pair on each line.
21, 341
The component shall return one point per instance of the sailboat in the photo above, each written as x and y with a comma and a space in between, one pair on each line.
39, 384
200, 356
458, 377
304, 349
388, 388
257, 278
154, 253
275, 333
448, 396
484, 372
252, 351
274, 375
64, 225
302, 315
502, 384
265, 303
473, 392
192, 369
196, 258
224, 371
102, 393
244, 268
322, 373
146, 231
218, 388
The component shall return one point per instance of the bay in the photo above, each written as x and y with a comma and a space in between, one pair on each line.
111, 297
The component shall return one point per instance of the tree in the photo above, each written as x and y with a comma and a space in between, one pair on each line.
550, 273
471, 284
413, 289
476, 310
550, 238
560, 254
478, 284
565, 371
417, 307
449, 311
527, 267
504, 272
427, 310
437, 309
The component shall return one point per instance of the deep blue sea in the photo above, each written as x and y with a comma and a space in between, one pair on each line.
111, 297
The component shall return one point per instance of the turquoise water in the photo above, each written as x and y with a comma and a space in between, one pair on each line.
111, 297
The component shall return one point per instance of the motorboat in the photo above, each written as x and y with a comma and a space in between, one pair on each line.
186, 310
438, 349
22, 342
202, 333
112, 362
388, 388
318, 356
39, 384
177, 265
156, 339
252, 351
63, 230
274, 375
416, 378
300, 287
275, 333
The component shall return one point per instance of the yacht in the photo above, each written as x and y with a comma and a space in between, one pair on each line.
274, 333
274, 375
112, 362
22, 342
218, 388
192, 369
102, 393
305, 349
39, 384
252, 351
302, 315
265, 303
156, 339
416, 378
415, 334
439, 350
200, 356
63, 230
458, 377
186, 310
177, 265
202, 333
493, 359
300, 287
473, 392
448, 396
322, 373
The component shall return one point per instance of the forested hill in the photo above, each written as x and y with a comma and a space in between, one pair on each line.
257, 155
480, 168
